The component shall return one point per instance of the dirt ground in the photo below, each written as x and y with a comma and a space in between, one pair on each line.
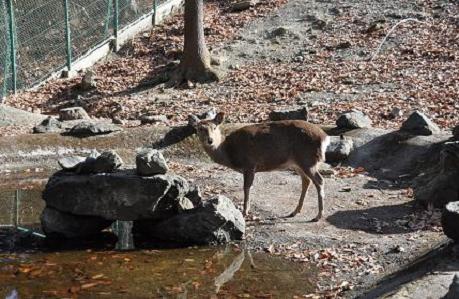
285, 53
369, 230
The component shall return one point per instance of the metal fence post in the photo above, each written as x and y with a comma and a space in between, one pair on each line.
12, 32
68, 40
16, 209
116, 23
155, 6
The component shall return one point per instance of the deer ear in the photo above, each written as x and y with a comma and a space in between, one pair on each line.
193, 120
219, 118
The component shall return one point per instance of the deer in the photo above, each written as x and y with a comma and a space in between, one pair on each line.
277, 145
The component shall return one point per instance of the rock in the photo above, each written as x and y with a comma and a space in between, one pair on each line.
194, 195
318, 24
48, 125
353, 119
335, 11
86, 129
10, 116
453, 292
343, 45
108, 161
73, 113
278, 32
439, 187
450, 220
216, 221
326, 170
117, 196
456, 133
395, 113
243, 5
150, 162
339, 149
300, 113
449, 156
419, 124
88, 81
375, 26
153, 119
59, 224
70, 163
117, 121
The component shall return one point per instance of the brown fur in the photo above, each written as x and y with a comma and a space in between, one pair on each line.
292, 144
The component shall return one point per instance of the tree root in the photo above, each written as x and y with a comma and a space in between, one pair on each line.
187, 75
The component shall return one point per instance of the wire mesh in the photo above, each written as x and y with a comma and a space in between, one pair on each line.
7, 208
5, 72
20, 207
30, 206
131, 10
91, 22
40, 34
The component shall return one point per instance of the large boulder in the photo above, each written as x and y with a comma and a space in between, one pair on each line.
48, 125
150, 162
71, 163
419, 124
215, 221
439, 185
456, 133
73, 113
453, 291
59, 224
86, 129
450, 220
289, 114
338, 149
108, 161
353, 119
118, 196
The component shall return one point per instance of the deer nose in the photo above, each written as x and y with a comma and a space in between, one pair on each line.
209, 140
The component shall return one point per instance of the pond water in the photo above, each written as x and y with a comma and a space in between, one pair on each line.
110, 267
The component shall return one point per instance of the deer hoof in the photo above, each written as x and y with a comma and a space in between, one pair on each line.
316, 219
291, 215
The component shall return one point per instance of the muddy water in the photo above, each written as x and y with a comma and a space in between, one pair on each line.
31, 269
178, 273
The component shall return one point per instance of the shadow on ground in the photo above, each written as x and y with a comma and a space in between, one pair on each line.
375, 220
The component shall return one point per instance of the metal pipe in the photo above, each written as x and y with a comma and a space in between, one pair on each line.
12, 31
68, 40
116, 19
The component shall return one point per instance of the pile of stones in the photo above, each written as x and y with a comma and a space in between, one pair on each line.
90, 193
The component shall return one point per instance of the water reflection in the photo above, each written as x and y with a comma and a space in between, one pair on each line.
178, 273
31, 267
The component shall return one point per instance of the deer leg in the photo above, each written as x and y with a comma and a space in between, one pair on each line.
305, 182
318, 181
248, 181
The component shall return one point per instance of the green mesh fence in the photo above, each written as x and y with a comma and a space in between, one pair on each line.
5, 71
39, 29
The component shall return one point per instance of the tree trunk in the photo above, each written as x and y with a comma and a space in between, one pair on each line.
196, 61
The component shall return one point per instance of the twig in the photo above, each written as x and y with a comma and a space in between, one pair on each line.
390, 31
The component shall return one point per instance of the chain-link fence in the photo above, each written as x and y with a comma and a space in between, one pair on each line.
21, 209
40, 37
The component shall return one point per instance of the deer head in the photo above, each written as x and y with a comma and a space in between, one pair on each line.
208, 130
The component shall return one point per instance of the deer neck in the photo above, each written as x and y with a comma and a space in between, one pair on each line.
216, 151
